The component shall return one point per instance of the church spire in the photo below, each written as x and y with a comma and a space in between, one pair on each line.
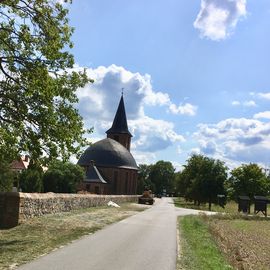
119, 130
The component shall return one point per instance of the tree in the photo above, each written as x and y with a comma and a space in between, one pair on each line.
162, 176
62, 177
143, 178
37, 86
7, 177
30, 180
249, 180
203, 179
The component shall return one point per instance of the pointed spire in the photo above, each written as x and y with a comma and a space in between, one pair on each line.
120, 120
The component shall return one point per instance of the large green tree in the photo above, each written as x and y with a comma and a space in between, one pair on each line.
143, 178
162, 176
203, 179
62, 177
249, 180
37, 84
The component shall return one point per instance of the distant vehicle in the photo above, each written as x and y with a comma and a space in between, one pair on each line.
159, 195
146, 198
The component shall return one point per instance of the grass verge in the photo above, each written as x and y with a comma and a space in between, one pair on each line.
41, 235
230, 208
198, 248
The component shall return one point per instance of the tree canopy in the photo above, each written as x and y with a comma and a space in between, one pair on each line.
202, 179
249, 180
37, 84
62, 177
162, 176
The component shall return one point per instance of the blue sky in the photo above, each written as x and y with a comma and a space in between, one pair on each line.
195, 73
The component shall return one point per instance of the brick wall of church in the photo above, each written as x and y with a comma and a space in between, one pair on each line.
121, 181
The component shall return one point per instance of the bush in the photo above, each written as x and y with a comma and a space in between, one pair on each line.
62, 177
7, 177
30, 180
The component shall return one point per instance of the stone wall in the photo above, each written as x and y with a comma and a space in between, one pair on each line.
15, 207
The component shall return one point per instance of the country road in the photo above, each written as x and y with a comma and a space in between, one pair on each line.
145, 241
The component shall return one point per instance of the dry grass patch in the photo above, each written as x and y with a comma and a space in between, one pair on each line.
41, 235
246, 242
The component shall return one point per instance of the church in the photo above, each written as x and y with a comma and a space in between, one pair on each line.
109, 166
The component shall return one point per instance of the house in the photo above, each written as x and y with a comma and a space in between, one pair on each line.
21, 164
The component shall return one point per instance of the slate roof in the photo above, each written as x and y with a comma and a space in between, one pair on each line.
93, 175
108, 153
120, 120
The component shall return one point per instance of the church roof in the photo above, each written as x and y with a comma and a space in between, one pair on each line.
93, 175
108, 153
120, 120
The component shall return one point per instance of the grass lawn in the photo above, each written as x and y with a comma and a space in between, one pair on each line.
198, 248
230, 208
41, 235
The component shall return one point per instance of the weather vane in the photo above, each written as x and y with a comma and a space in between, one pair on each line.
122, 91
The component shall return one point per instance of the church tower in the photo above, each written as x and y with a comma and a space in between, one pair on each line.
119, 130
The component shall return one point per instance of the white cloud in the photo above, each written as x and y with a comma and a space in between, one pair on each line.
265, 115
98, 103
185, 109
247, 103
236, 139
264, 95
218, 18
236, 103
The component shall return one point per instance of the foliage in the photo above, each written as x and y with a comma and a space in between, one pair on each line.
62, 177
6, 177
162, 176
248, 179
37, 86
143, 178
30, 180
202, 179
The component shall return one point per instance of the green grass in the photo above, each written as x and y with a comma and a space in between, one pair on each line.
198, 248
230, 208
41, 235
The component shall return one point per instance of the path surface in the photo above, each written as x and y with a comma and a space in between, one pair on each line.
145, 241
141, 242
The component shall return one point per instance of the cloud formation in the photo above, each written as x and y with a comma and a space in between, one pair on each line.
247, 103
98, 103
217, 19
260, 115
236, 139
264, 95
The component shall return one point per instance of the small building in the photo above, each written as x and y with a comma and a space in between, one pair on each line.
21, 164
109, 166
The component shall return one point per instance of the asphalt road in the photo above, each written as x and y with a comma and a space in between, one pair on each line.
141, 242
145, 241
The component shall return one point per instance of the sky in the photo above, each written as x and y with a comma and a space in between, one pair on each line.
196, 76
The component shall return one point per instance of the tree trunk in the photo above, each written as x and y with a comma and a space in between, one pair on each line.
210, 205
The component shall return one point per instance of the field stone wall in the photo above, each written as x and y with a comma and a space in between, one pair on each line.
16, 207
